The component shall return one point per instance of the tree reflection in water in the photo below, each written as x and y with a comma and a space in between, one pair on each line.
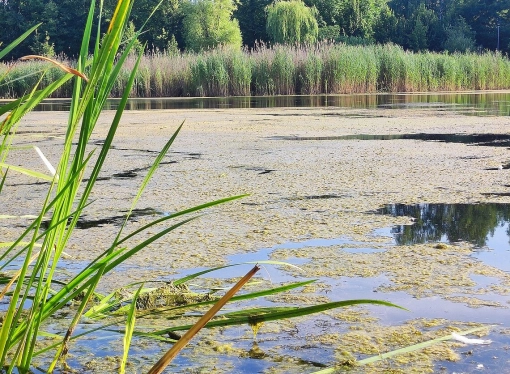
448, 222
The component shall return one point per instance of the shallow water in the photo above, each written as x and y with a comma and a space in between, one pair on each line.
486, 226
472, 103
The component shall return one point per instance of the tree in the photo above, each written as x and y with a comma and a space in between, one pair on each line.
251, 15
459, 37
291, 22
165, 22
418, 37
386, 27
60, 20
209, 23
329, 11
358, 18
484, 16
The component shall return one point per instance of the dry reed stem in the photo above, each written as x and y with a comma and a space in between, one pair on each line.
184, 340
67, 69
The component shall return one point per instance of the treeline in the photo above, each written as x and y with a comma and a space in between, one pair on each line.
193, 25
286, 70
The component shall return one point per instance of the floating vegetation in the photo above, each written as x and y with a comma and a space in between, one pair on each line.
170, 295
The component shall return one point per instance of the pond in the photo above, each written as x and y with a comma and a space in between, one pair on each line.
408, 206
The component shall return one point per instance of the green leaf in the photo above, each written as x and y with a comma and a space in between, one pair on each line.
26, 171
276, 314
408, 349
18, 40
130, 326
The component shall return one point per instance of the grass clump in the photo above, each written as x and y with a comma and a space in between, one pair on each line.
285, 70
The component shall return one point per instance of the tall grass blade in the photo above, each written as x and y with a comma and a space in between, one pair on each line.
2, 182
278, 314
59, 65
409, 349
130, 326
26, 171
17, 41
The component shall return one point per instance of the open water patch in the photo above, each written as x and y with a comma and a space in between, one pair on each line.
468, 103
486, 226
490, 140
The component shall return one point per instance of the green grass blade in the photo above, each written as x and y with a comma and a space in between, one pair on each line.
279, 314
166, 218
4, 177
197, 274
17, 41
130, 327
155, 165
418, 346
30, 173
104, 307
409, 349
180, 213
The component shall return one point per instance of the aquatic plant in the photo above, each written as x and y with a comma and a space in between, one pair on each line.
283, 69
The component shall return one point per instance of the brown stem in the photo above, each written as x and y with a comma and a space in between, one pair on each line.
182, 342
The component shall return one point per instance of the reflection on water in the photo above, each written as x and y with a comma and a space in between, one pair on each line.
487, 226
493, 140
476, 103
475, 223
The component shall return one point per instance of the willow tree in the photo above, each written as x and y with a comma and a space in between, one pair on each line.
209, 23
291, 22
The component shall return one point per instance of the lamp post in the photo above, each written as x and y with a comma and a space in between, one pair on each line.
497, 48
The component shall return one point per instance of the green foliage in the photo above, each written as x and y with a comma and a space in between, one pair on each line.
291, 22
403, 22
354, 40
283, 71
43, 48
329, 33
418, 36
459, 37
239, 68
251, 15
208, 24
209, 75
350, 69
60, 21
131, 34
221, 72
310, 76
263, 82
172, 48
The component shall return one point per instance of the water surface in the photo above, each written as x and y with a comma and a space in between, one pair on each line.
472, 103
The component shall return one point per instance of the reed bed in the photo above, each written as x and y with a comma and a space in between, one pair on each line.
286, 70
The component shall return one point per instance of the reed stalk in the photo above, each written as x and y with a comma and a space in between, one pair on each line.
284, 70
